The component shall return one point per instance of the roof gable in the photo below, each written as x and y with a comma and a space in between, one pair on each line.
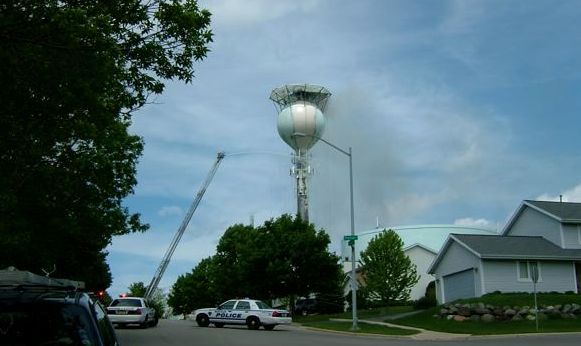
508, 247
564, 212
421, 246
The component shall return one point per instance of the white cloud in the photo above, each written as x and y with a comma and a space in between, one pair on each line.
170, 211
571, 195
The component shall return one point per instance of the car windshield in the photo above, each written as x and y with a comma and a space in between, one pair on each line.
262, 305
127, 302
45, 324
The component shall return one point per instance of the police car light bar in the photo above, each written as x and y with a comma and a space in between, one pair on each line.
13, 277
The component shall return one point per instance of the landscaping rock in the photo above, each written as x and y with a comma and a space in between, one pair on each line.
517, 318
482, 311
566, 309
450, 317
523, 312
531, 317
475, 318
463, 311
487, 318
459, 318
509, 312
444, 311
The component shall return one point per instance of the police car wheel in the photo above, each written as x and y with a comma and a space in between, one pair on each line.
203, 320
253, 323
218, 325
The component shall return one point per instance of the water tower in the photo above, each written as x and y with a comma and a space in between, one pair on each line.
300, 124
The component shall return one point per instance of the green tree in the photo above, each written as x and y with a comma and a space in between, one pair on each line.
194, 290
239, 263
75, 71
284, 258
136, 289
388, 273
297, 259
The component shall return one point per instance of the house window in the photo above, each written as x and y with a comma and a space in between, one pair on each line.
525, 270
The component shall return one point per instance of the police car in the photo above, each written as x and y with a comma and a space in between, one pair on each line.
250, 312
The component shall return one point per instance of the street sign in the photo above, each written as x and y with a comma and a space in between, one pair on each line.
350, 237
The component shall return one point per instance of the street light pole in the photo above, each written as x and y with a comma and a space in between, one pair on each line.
354, 327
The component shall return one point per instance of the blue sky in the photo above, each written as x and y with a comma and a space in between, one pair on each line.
456, 111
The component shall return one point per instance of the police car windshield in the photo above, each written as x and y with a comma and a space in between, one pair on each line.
262, 305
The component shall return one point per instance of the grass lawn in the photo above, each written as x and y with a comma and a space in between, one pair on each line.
363, 328
426, 321
361, 314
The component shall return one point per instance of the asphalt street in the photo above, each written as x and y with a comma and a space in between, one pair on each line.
169, 333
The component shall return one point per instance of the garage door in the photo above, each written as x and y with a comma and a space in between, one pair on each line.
459, 285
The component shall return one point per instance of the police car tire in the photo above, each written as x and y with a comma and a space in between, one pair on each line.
253, 322
218, 325
203, 320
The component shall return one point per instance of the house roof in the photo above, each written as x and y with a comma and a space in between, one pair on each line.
515, 247
508, 247
420, 246
564, 212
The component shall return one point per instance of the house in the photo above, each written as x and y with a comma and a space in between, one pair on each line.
419, 254
422, 257
540, 235
421, 244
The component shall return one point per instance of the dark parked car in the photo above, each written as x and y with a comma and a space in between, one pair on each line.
35, 310
305, 306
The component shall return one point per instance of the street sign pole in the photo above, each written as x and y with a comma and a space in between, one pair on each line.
535, 279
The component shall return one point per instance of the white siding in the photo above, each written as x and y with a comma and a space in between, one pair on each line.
422, 259
456, 259
534, 223
571, 237
502, 276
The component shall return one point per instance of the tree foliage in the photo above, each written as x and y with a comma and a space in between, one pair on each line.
157, 301
136, 289
388, 273
285, 257
73, 73
194, 290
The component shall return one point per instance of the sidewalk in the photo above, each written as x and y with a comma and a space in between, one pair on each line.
422, 335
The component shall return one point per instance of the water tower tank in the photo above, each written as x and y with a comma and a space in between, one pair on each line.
300, 118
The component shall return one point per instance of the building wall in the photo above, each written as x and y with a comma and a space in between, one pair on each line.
456, 259
572, 236
534, 223
502, 275
422, 259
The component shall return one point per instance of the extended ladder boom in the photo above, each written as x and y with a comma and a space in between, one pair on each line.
176, 239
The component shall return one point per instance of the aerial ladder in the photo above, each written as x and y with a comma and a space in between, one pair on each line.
178, 236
